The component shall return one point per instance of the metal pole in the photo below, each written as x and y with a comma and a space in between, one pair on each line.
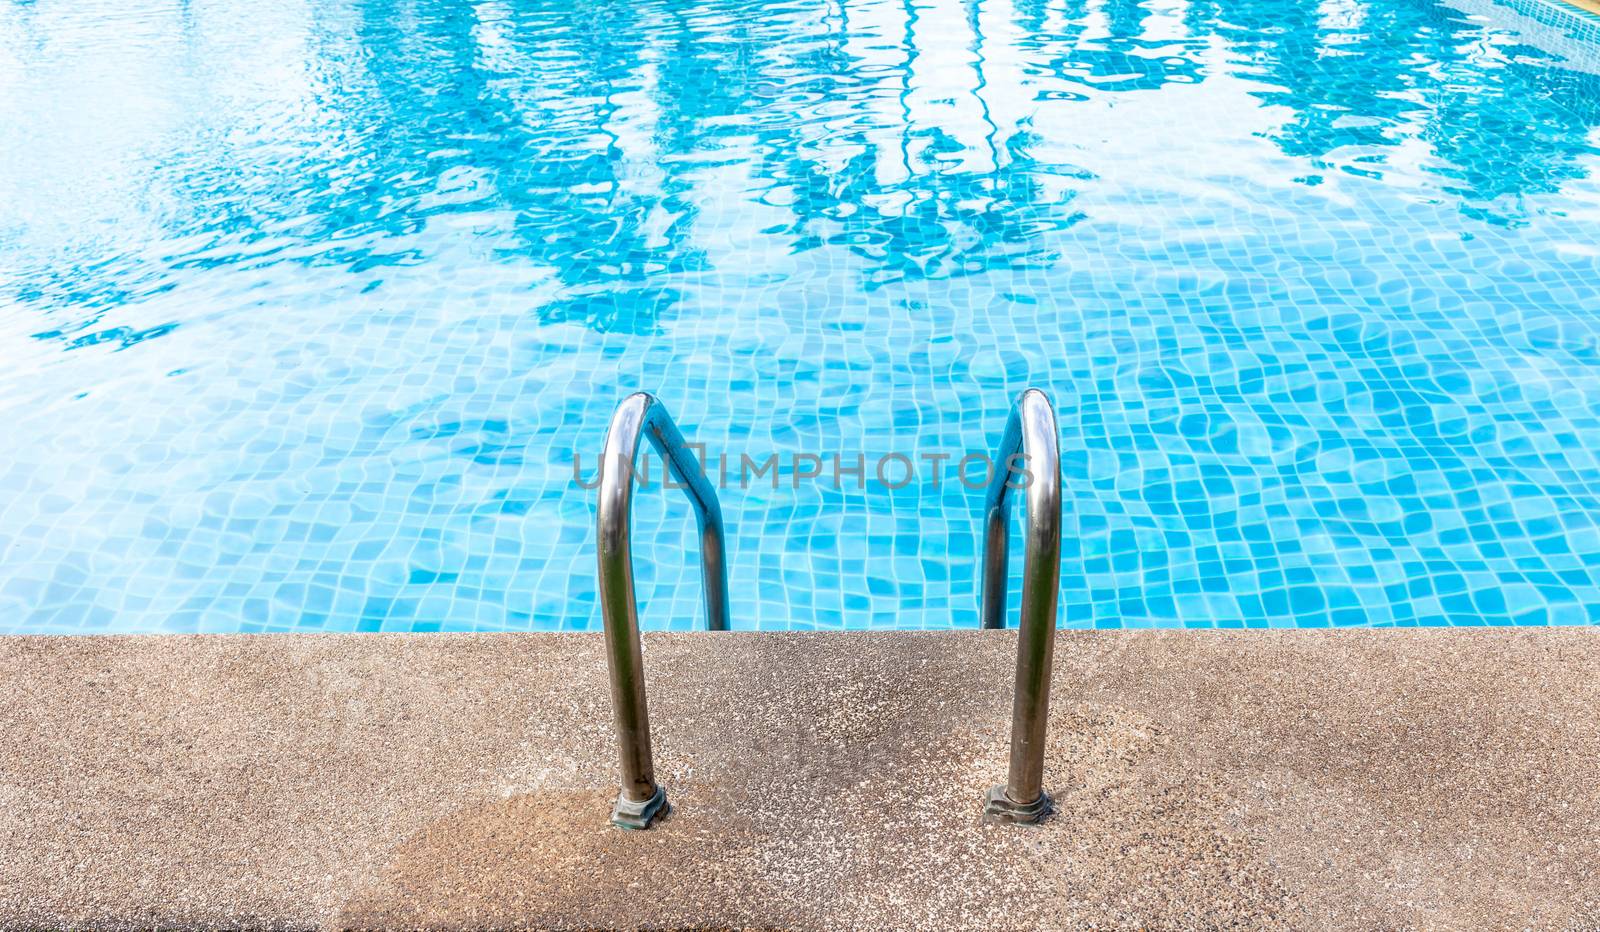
641, 799
1031, 429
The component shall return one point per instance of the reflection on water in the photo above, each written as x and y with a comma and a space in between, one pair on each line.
930, 140
1298, 272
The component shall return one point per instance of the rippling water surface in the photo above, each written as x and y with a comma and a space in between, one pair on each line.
306, 307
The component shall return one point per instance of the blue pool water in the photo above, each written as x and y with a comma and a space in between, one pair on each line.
307, 306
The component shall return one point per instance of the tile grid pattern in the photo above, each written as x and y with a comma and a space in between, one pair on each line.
1316, 305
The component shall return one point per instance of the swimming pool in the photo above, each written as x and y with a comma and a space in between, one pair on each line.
308, 307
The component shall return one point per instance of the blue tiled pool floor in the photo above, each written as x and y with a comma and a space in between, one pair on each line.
306, 310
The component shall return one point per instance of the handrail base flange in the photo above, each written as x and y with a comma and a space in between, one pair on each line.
637, 814
998, 808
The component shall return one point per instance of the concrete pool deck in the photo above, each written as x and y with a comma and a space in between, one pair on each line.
1442, 779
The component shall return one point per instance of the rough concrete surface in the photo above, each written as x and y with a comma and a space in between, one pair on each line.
1360, 780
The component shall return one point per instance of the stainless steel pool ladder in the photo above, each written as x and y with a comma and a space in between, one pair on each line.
642, 799
1029, 459
1030, 434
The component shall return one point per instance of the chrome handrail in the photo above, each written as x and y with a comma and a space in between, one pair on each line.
1032, 430
641, 799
